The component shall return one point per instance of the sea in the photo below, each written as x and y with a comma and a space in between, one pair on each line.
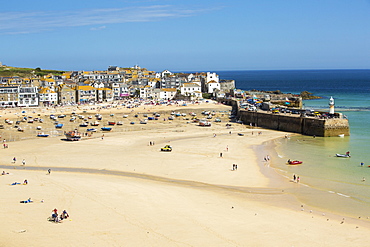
330, 183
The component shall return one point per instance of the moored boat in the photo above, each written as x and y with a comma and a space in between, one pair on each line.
343, 155
294, 162
42, 135
106, 128
111, 123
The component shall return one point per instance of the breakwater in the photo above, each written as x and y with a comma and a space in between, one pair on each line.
296, 123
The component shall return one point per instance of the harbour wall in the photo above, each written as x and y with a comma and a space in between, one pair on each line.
311, 126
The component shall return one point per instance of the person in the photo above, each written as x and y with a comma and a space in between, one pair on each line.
298, 179
363, 179
288, 161
49, 171
221, 155
23, 162
236, 167
65, 215
347, 153
14, 160
294, 177
25, 181
362, 163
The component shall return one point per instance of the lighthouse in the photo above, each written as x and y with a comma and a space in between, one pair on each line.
331, 105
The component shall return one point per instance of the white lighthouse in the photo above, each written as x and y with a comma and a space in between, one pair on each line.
331, 105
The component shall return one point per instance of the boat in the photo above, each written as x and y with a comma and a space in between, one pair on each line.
343, 155
111, 123
204, 123
341, 135
84, 124
96, 123
92, 130
240, 134
294, 162
125, 116
38, 127
20, 129
42, 135
106, 128
73, 135
59, 126
119, 123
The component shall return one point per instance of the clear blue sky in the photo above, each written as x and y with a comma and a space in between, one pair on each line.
186, 35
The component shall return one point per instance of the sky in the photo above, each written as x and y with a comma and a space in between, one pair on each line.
186, 35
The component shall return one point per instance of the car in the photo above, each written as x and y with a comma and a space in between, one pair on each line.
166, 148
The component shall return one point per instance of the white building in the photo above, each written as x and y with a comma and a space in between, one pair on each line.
48, 96
28, 96
211, 86
191, 89
164, 93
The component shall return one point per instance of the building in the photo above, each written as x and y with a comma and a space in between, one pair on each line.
47, 96
28, 97
191, 89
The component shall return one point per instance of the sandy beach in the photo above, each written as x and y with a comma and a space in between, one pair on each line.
120, 190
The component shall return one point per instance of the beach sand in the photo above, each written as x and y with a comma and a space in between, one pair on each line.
121, 191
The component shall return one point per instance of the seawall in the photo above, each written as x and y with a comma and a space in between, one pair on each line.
312, 126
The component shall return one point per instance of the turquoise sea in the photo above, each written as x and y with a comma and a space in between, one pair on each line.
328, 182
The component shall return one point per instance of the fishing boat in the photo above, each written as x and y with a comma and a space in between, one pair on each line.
59, 126
92, 130
106, 128
73, 135
111, 123
42, 135
119, 123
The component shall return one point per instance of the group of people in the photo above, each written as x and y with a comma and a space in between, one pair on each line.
235, 167
56, 217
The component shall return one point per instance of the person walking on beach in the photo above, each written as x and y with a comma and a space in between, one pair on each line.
49, 171
220, 155
298, 179
14, 160
23, 162
294, 177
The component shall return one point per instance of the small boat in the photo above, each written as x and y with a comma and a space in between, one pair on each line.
119, 123
84, 124
125, 116
20, 129
240, 134
96, 123
59, 126
111, 123
73, 135
42, 135
343, 155
341, 135
132, 123
294, 162
38, 127
204, 123
92, 130
106, 128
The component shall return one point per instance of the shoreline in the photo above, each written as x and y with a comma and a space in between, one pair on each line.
190, 196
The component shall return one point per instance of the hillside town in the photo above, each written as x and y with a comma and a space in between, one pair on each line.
115, 83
